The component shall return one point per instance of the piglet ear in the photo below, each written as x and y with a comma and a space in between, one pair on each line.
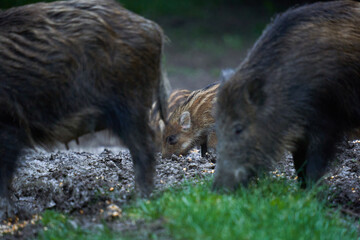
254, 92
161, 126
185, 120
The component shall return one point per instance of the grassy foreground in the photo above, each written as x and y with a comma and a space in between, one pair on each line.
271, 209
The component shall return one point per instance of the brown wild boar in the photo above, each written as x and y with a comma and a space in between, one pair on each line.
191, 124
298, 89
176, 98
72, 67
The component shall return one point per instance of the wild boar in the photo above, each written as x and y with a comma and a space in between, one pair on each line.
298, 89
176, 98
191, 124
72, 67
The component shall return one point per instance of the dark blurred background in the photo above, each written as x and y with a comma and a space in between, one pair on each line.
205, 35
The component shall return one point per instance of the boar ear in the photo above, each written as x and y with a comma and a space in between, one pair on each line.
185, 120
254, 92
161, 125
226, 74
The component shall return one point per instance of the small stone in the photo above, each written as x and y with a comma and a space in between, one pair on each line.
112, 212
192, 166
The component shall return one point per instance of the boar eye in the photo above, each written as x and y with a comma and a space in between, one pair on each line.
238, 129
172, 139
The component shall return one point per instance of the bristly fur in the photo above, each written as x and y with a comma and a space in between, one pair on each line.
298, 89
176, 98
199, 104
71, 67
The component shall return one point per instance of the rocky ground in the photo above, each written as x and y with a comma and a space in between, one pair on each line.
84, 184
93, 186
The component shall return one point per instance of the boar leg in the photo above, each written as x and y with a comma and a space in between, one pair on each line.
320, 151
299, 157
311, 157
204, 149
11, 143
142, 152
144, 165
132, 127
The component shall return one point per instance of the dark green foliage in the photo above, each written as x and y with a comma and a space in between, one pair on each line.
182, 8
4, 4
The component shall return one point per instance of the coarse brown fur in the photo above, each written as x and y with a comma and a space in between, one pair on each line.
68, 68
176, 98
191, 124
298, 89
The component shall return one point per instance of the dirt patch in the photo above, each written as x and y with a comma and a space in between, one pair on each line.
69, 181
344, 180
341, 181
84, 184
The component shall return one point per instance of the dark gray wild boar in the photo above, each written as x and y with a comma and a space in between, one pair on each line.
176, 98
298, 89
72, 67
191, 124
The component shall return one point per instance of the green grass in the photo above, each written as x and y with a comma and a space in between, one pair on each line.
273, 209
58, 226
270, 209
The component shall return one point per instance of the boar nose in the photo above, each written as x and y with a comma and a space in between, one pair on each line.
224, 182
229, 180
165, 153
